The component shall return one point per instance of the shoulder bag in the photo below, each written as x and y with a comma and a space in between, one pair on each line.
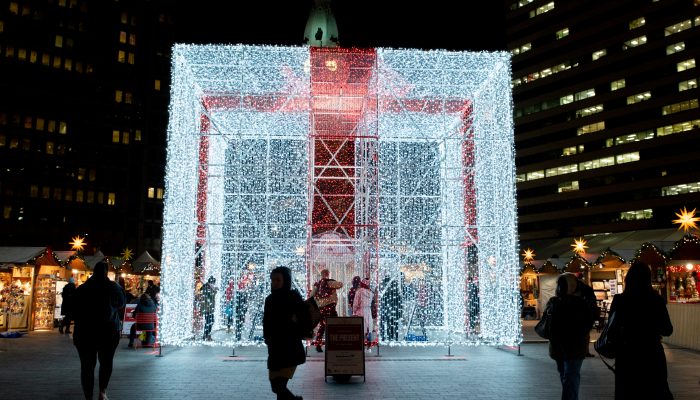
544, 327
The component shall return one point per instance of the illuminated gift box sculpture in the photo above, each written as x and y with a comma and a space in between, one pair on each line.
395, 165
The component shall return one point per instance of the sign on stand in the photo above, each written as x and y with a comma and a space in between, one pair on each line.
128, 318
345, 353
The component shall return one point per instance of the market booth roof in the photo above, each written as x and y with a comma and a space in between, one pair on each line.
685, 251
146, 264
28, 255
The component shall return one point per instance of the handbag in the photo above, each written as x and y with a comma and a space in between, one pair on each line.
544, 327
608, 342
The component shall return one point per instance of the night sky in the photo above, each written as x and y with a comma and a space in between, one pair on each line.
361, 23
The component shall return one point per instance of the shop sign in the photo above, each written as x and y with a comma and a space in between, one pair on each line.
345, 353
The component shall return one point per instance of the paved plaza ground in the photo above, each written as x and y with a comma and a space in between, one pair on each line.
45, 365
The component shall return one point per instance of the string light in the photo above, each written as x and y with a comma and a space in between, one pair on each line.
258, 154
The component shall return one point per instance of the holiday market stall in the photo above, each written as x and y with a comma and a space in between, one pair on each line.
683, 300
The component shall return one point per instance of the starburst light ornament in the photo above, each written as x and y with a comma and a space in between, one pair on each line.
579, 246
127, 254
77, 243
686, 220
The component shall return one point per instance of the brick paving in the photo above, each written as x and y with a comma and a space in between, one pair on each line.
45, 365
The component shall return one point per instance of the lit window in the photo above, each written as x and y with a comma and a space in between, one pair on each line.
81, 174
58, 42
584, 112
132, 39
45, 192
568, 151
687, 85
627, 157
157, 84
131, 58
679, 27
598, 54
675, 48
52, 126
638, 41
584, 94
595, 127
520, 178
678, 107
68, 65
125, 137
62, 127
128, 97
151, 192
39, 124
9, 52
125, 18
636, 23
34, 191
122, 37
32, 57
685, 65
634, 137
121, 56
111, 199
542, 9
57, 194
637, 214
639, 97
7, 212
45, 59
79, 196
49, 147
598, 163
92, 175
569, 98
57, 62
521, 49
22, 55
118, 96
683, 188
159, 193
100, 198
535, 175
14, 8
564, 169
678, 127
28, 122
137, 135
115, 136
90, 197
562, 33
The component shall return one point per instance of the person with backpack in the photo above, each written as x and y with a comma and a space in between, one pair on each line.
97, 328
325, 294
284, 326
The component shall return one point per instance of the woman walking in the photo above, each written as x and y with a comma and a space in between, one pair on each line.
640, 366
571, 323
284, 309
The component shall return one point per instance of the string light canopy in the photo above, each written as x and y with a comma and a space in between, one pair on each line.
579, 246
686, 220
392, 164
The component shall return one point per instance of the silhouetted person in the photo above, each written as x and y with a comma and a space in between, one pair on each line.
571, 323
209, 290
97, 325
326, 297
67, 306
319, 34
152, 290
640, 366
146, 305
283, 332
351, 293
586, 293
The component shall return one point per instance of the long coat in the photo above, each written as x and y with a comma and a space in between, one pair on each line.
97, 305
571, 323
282, 333
68, 300
640, 366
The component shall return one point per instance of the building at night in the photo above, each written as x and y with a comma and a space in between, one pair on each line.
83, 119
607, 123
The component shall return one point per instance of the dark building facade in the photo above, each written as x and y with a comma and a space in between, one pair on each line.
607, 124
83, 119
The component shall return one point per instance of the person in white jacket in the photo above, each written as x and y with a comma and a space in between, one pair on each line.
362, 305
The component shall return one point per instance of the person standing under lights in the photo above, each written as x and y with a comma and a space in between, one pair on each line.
326, 296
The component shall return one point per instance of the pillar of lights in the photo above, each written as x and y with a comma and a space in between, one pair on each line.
395, 165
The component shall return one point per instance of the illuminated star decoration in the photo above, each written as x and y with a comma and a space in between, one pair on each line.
528, 255
127, 254
686, 220
579, 246
78, 243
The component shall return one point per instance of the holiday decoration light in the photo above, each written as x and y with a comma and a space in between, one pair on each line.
579, 246
77, 243
396, 165
528, 255
686, 220
127, 254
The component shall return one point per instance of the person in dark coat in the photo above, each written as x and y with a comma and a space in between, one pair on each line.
96, 333
152, 290
67, 305
586, 292
351, 293
209, 290
570, 324
144, 306
282, 332
640, 366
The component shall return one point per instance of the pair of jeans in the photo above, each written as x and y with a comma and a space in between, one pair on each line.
570, 375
